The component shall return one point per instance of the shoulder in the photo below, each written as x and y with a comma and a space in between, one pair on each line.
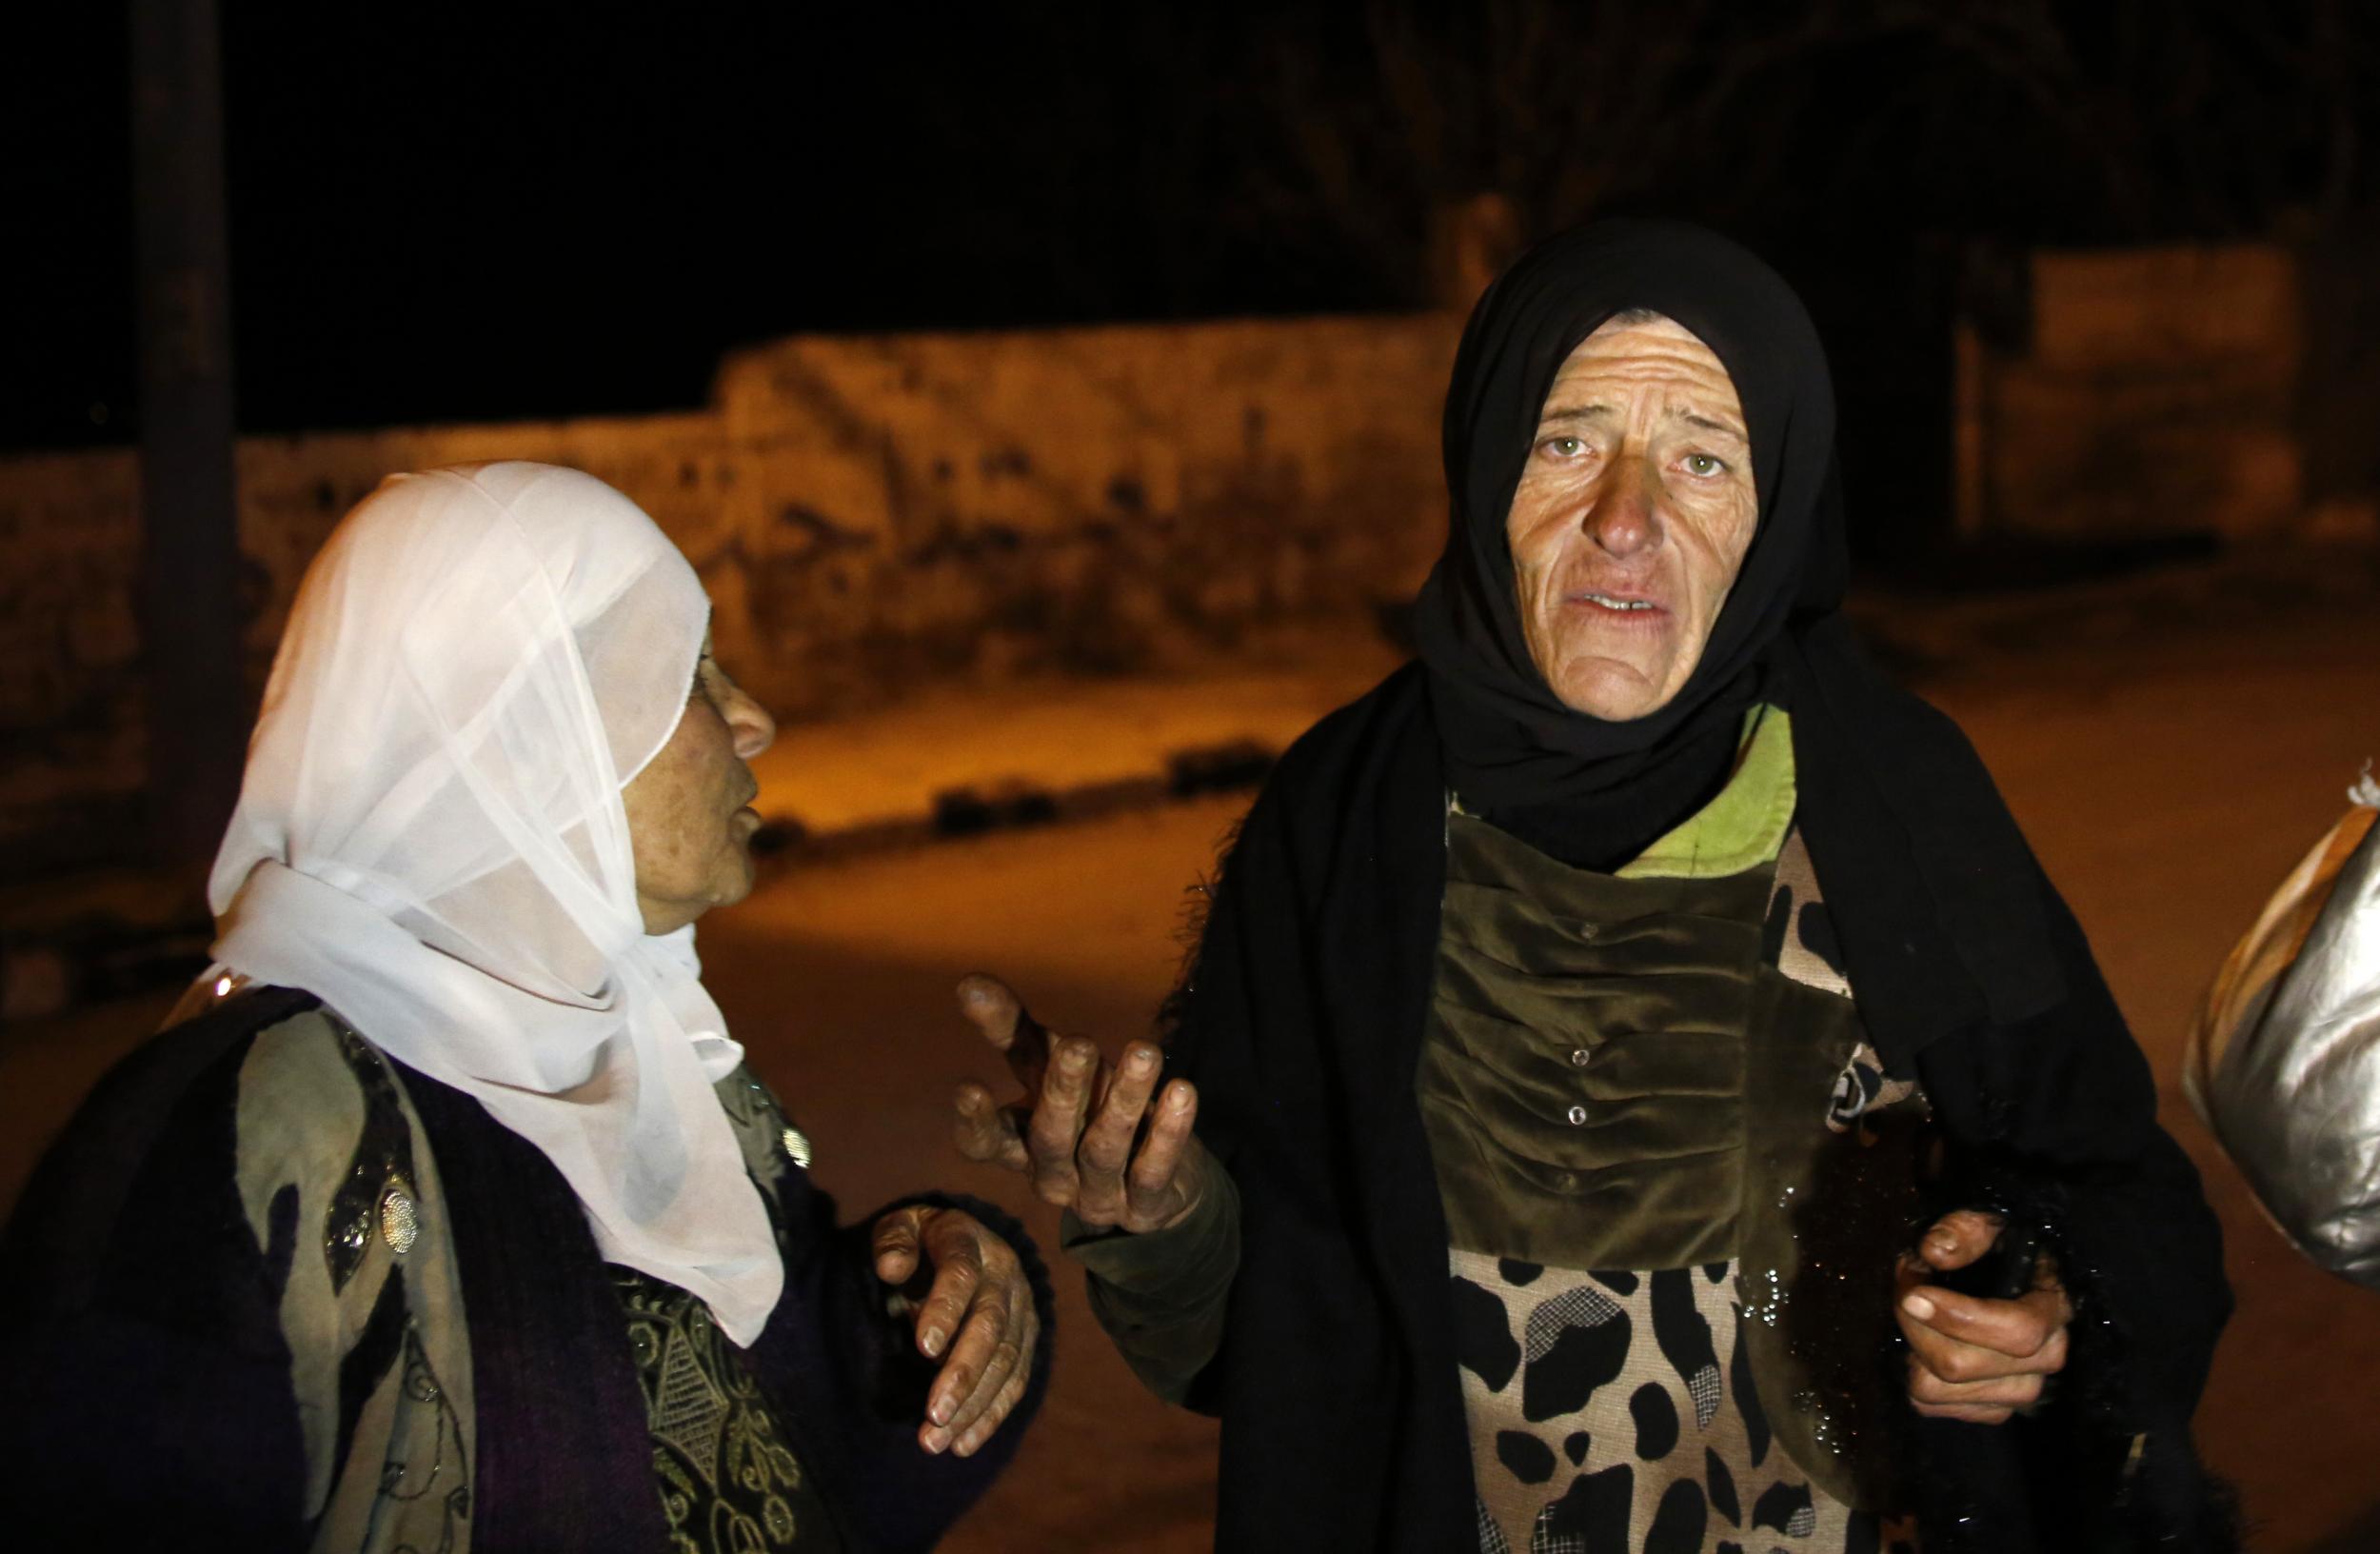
193, 1071
163, 1127
298, 1081
266, 1085
1885, 708
1346, 732
1387, 727
318, 1107
1365, 782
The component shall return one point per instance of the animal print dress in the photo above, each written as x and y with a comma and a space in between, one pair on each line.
1637, 1090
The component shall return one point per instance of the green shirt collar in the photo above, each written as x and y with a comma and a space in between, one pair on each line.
1745, 825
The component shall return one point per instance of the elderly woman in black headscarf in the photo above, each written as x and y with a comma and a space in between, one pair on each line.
1635, 1089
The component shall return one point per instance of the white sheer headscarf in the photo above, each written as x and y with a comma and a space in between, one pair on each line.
431, 837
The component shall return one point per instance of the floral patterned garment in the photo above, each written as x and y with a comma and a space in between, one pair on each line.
728, 1479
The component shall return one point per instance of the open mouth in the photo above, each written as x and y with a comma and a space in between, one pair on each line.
1616, 604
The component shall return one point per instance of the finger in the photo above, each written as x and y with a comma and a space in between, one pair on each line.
983, 1356
998, 1314
1925, 1388
985, 1130
2049, 1287
1108, 1142
958, 1392
1011, 1392
1155, 1191
1958, 1238
993, 1006
982, 1430
1970, 1413
958, 1268
1057, 1123
1001, 1015
1967, 1363
2020, 1329
894, 1242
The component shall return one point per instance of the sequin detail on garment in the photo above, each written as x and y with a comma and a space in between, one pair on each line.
400, 1221
382, 1167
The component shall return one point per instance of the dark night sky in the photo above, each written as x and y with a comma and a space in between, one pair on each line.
492, 211
510, 214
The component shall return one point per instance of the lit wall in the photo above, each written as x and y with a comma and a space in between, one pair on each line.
871, 515
2157, 391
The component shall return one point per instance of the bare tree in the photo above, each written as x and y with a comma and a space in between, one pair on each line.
2121, 118
1554, 109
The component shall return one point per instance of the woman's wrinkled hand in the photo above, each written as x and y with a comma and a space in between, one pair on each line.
978, 1311
1104, 1139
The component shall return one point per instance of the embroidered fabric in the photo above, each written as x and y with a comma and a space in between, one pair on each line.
728, 1479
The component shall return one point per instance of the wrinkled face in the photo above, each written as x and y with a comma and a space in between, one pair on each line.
1633, 514
688, 818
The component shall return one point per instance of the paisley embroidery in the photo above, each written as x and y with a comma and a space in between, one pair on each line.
401, 1482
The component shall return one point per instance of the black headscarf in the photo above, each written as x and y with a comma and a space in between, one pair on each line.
1305, 1015
1927, 875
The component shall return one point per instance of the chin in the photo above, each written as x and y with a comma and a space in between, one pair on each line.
1612, 693
734, 888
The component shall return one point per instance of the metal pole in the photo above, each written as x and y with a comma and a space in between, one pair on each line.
188, 580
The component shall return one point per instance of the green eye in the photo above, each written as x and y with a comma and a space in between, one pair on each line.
1704, 465
1564, 447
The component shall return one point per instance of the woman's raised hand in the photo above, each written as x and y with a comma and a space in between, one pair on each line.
1104, 1139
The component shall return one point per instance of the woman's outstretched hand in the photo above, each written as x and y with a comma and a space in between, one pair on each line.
1104, 1139
979, 1311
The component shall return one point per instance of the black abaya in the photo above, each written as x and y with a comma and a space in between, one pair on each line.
1303, 1020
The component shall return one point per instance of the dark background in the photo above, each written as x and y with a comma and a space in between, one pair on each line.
491, 211
454, 212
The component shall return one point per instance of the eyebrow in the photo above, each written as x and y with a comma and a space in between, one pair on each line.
1604, 412
1724, 428
1576, 412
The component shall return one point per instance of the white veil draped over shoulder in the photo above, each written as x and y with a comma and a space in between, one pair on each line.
431, 837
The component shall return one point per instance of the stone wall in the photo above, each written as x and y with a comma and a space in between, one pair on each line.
1085, 501
871, 516
878, 515
2155, 391
71, 742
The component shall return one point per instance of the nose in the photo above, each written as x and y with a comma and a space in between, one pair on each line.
1624, 516
754, 730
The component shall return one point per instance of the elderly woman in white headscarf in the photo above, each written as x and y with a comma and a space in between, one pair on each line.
445, 1215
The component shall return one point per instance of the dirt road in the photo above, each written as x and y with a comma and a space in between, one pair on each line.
2167, 770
